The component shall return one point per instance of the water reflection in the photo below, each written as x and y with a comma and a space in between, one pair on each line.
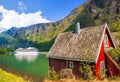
29, 54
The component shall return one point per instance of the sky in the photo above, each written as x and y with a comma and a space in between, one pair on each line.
21, 13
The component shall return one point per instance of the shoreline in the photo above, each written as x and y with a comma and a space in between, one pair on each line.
43, 53
28, 77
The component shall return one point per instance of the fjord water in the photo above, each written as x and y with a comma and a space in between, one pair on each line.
36, 67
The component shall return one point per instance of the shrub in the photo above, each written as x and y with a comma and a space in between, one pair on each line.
4, 50
66, 73
87, 70
115, 54
52, 74
102, 73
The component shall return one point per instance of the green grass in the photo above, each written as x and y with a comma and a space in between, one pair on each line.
7, 77
38, 67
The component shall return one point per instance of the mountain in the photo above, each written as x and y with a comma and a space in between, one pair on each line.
92, 12
17, 32
2, 29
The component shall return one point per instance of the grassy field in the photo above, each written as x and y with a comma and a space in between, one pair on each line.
7, 77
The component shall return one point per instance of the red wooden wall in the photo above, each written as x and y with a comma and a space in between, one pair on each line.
59, 64
110, 43
112, 69
100, 58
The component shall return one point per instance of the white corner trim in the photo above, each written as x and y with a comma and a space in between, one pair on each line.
100, 44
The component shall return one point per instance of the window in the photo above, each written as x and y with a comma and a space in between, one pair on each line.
102, 68
106, 41
102, 65
71, 64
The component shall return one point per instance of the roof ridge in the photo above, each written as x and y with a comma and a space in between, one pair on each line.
71, 45
93, 26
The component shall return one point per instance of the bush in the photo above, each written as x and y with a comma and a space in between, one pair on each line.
115, 54
116, 25
87, 70
102, 74
52, 74
5, 50
66, 73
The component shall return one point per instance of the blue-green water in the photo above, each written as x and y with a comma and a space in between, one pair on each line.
37, 67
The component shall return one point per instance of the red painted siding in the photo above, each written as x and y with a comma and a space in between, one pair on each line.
76, 70
110, 43
59, 64
112, 69
100, 58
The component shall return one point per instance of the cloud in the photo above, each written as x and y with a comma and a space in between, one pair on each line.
12, 18
21, 6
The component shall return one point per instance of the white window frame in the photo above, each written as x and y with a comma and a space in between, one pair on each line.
106, 41
71, 64
102, 68
102, 65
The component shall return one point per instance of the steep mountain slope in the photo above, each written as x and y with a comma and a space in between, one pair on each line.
45, 29
91, 13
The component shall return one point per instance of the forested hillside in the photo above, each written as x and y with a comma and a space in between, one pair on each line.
42, 36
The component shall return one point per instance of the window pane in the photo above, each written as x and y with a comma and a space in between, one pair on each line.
106, 41
71, 64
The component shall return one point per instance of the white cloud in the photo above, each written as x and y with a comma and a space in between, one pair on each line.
21, 6
11, 18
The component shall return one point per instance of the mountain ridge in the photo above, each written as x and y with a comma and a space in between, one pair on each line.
91, 13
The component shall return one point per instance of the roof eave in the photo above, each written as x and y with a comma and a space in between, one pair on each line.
100, 44
73, 59
106, 27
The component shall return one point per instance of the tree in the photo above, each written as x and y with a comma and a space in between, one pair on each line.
116, 25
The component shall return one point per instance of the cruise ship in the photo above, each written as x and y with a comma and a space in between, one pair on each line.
28, 54
27, 51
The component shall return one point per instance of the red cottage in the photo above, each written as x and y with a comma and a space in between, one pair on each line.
86, 45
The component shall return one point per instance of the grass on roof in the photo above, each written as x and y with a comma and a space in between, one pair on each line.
115, 54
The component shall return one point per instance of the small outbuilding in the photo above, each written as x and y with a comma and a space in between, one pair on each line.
85, 45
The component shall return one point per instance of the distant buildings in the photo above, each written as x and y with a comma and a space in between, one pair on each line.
28, 54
